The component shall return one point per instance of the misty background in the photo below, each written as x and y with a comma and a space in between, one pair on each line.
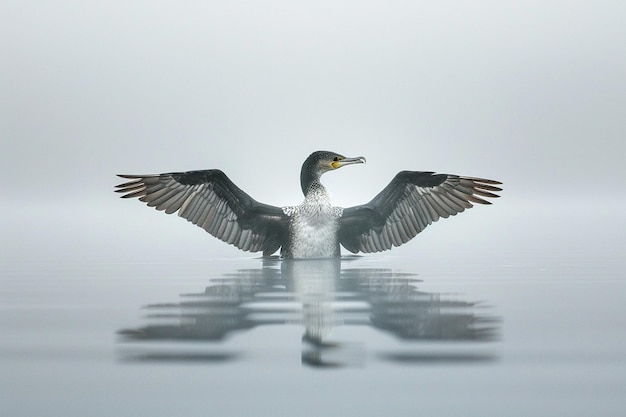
529, 93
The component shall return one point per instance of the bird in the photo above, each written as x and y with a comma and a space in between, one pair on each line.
314, 229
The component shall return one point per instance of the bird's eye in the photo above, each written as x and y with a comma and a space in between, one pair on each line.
336, 159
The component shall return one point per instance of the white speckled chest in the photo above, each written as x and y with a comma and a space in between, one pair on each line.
313, 227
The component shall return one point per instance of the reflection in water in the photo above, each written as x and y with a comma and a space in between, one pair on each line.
319, 295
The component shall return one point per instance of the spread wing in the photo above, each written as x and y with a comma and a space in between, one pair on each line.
209, 199
405, 207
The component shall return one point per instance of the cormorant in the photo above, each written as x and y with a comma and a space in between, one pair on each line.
315, 228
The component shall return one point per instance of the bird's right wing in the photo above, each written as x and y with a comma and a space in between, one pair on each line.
405, 207
209, 199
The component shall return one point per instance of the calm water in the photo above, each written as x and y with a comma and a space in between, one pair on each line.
515, 330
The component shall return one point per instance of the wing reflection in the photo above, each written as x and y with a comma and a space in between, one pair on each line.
319, 295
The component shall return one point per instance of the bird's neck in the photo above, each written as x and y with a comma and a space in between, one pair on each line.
316, 194
308, 179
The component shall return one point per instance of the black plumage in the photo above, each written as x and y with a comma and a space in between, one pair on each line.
412, 201
209, 199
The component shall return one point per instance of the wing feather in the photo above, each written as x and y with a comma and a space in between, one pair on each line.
213, 202
412, 201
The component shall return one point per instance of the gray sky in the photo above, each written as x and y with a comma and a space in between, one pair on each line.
532, 93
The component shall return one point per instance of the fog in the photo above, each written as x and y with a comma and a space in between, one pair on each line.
529, 93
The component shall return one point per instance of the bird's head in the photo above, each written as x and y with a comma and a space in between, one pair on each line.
320, 162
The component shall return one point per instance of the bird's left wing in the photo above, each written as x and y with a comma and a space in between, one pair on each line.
209, 199
405, 207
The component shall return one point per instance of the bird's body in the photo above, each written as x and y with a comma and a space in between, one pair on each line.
315, 228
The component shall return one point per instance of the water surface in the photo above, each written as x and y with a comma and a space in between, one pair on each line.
513, 330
